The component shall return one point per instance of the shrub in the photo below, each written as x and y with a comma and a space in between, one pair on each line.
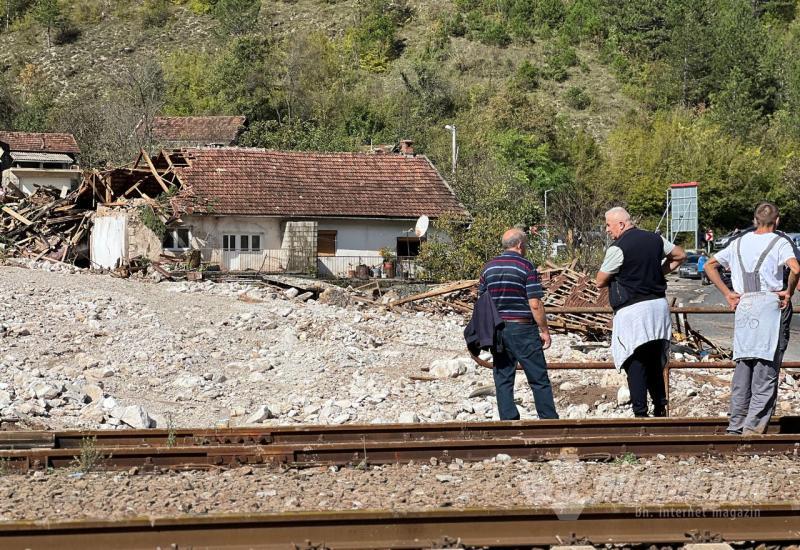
155, 13
528, 76
495, 33
66, 33
577, 98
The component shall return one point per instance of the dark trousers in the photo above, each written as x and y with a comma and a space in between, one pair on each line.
783, 343
645, 370
522, 344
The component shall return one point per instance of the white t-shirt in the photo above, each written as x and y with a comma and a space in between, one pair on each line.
752, 245
614, 257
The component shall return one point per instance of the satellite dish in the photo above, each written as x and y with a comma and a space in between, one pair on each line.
422, 226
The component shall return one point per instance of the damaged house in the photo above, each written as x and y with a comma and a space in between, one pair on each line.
31, 160
276, 211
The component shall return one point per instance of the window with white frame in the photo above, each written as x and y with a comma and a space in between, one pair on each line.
244, 242
177, 238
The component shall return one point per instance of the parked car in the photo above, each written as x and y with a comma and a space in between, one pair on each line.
725, 240
795, 237
688, 269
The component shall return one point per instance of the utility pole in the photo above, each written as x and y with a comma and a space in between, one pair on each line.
454, 147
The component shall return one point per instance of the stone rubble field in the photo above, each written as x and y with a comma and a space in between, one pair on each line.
81, 350
499, 482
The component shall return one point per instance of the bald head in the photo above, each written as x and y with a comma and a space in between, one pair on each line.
514, 239
617, 222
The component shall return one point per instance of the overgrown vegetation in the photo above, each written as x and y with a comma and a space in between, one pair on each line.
597, 103
90, 457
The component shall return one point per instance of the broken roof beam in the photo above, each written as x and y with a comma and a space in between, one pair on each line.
153, 170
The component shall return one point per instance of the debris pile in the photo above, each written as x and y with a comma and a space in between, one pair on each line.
43, 225
564, 287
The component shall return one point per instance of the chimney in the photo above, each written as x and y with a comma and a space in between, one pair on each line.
407, 147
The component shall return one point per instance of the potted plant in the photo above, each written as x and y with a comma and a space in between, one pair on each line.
389, 258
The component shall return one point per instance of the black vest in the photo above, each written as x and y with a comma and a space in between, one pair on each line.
640, 277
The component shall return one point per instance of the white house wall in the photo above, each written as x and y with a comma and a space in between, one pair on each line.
207, 231
26, 179
358, 241
366, 237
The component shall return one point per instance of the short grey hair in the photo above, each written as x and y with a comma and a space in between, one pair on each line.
620, 213
513, 237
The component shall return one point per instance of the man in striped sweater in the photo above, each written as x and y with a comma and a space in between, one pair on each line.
513, 283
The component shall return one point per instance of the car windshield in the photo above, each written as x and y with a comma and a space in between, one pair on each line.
692, 259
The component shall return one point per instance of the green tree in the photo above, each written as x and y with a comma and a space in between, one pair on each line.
48, 14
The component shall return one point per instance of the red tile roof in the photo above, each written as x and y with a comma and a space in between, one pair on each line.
40, 143
276, 183
201, 130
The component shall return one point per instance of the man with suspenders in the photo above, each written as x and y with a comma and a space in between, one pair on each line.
756, 260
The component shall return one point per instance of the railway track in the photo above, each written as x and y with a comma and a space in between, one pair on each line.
495, 528
392, 443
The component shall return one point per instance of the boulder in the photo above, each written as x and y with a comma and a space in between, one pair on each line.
449, 368
134, 416
94, 392
335, 297
291, 292
260, 415
408, 417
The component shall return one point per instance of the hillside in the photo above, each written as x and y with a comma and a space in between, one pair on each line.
603, 102
118, 42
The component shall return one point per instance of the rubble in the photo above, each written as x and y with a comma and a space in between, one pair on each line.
43, 225
195, 352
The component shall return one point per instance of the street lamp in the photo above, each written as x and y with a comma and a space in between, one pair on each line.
454, 147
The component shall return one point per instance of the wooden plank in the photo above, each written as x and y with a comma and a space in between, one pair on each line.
16, 216
461, 285
154, 171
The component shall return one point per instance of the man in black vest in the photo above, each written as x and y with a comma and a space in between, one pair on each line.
634, 270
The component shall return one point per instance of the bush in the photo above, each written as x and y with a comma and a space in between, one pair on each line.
577, 98
495, 33
67, 33
528, 76
155, 13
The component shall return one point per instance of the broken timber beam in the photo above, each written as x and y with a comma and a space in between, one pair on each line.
153, 170
18, 217
462, 285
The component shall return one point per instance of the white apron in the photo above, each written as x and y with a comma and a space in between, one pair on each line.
757, 322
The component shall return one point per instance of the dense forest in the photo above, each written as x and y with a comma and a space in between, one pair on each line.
604, 102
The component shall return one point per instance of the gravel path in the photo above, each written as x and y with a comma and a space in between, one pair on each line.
496, 483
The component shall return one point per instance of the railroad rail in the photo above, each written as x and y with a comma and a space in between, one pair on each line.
448, 528
596, 439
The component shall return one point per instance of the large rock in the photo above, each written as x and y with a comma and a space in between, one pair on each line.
335, 297
94, 392
449, 368
408, 417
188, 381
291, 292
134, 416
613, 379
261, 414
43, 390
